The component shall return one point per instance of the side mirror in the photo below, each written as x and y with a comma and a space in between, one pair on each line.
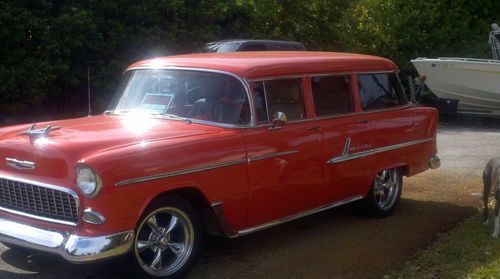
279, 119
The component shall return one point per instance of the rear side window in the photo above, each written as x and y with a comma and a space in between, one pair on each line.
283, 95
332, 95
380, 91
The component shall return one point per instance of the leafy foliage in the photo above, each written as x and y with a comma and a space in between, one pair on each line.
48, 45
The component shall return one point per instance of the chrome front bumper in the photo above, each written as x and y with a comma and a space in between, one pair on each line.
434, 162
73, 248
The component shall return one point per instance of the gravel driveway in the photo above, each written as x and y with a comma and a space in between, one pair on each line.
331, 244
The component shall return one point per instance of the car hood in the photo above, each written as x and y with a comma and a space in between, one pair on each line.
75, 139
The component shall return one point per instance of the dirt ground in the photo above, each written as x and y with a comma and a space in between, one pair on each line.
332, 244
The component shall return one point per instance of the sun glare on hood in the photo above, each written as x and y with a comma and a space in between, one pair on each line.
138, 122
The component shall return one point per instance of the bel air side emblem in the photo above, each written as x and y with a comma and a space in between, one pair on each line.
21, 165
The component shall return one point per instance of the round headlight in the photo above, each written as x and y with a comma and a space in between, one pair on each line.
87, 181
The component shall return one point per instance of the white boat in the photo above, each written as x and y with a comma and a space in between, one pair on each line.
475, 83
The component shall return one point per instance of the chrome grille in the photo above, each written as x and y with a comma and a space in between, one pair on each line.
38, 201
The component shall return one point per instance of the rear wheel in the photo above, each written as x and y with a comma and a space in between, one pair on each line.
168, 239
385, 193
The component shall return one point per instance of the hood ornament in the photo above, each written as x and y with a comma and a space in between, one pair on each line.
39, 132
35, 133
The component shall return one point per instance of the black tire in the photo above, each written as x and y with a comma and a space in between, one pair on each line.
171, 250
384, 194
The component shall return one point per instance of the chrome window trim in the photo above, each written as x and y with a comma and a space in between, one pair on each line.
244, 82
50, 186
179, 172
260, 125
338, 116
351, 156
267, 104
299, 215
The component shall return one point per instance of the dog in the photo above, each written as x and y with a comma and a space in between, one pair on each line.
491, 181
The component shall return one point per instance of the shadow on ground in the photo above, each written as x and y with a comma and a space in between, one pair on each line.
330, 244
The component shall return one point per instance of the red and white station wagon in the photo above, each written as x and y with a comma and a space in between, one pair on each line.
226, 144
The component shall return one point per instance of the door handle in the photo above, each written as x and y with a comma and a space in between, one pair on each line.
313, 128
362, 121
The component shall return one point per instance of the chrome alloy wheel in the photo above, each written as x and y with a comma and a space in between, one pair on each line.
386, 188
164, 241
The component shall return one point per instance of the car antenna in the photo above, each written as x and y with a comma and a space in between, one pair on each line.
88, 89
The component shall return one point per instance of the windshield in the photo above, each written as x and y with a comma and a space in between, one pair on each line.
183, 94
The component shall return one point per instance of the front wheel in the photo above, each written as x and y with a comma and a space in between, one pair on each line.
385, 193
168, 240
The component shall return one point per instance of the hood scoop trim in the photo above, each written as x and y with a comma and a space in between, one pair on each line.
21, 165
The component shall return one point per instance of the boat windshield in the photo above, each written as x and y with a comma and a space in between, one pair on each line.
182, 94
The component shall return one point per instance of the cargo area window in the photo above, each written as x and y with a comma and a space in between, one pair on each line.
380, 91
283, 95
332, 95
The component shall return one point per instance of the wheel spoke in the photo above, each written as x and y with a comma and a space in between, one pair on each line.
383, 175
177, 248
382, 195
174, 221
153, 224
144, 245
157, 260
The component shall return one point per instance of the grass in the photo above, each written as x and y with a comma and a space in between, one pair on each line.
468, 251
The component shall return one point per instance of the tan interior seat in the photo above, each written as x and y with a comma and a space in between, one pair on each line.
285, 96
332, 96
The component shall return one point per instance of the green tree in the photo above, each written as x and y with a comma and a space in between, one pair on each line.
402, 30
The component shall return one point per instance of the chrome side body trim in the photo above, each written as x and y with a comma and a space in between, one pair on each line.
73, 248
271, 155
54, 187
346, 157
299, 215
21, 165
221, 219
202, 168
179, 172
244, 82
